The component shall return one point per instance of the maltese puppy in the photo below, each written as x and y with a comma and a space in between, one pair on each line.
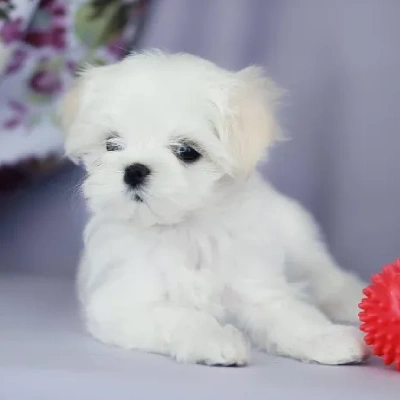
188, 251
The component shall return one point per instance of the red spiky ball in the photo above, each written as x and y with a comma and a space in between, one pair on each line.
380, 315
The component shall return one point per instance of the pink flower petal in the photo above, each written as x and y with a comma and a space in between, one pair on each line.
17, 106
12, 123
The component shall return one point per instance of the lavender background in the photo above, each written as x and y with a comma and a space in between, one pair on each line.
340, 63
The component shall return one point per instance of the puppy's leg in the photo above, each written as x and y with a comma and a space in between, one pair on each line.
280, 322
188, 335
336, 291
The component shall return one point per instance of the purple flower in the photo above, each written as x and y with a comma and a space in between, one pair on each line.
18, 111
47, 4
12, 123
59, 10
54, 38
45, 82
18, 107
11, 30
47, 27
58, 37
17, 60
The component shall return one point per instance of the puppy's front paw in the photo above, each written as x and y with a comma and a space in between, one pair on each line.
336, 345
213, 344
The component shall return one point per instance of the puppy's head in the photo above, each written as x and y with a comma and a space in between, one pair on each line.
162, 136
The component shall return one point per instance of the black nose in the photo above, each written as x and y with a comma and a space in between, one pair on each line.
135, 174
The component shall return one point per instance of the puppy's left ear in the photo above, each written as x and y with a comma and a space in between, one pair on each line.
252, 124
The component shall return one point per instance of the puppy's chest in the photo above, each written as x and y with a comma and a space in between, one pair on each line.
206, 251
200, 276
169, 250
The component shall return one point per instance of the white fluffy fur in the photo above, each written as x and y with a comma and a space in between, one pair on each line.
213, 253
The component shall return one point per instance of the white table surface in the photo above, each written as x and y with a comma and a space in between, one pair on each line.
45, 354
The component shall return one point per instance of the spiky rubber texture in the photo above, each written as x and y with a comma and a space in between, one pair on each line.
380, 315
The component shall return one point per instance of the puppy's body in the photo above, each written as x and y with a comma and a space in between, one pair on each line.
193, 242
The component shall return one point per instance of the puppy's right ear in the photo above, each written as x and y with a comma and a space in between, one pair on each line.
68, 110
69, 106
73, 109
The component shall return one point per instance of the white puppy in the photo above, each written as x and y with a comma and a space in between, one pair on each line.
187, 247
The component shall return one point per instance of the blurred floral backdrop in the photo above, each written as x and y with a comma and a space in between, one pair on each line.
42, 44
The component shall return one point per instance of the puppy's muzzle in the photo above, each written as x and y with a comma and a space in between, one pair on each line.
135, 175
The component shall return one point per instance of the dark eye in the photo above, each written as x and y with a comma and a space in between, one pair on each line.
186, 153
112, 144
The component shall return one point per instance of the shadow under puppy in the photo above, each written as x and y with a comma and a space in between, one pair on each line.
188, 251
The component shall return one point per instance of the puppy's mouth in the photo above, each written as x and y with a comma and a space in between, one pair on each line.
135, 196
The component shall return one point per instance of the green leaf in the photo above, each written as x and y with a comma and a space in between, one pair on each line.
98, 62
38, 98
4, 15
34, 120
57, 63
97, 29
54, 119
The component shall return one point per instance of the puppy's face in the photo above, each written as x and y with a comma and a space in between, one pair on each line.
162, 136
